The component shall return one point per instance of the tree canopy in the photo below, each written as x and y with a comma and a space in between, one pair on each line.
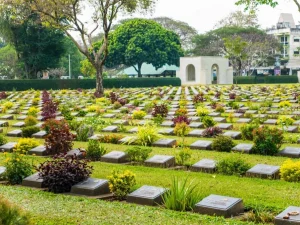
141, 41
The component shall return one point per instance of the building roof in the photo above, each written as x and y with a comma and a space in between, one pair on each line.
149, 69
287, 18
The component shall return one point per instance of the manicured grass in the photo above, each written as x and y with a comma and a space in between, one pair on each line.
50, 209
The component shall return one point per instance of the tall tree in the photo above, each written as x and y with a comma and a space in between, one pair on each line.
239, 19
141, 41
67, 15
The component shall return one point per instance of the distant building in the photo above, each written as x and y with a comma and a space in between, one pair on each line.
148, 70
288, 34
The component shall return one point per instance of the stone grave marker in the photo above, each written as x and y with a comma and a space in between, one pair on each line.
7, 117
147, 195
2, 171
164, 143
121, 122
109, 116
201, 145
264, 171
292, 152
91, 187
168, 124
8, 147
244, 120
290, 216
19, 124
166, 131
233, 134
225, 126
39, 151
4, 124
216, 205
196, 125
204, 165
195, 133
133, 130
271, 122
243, 148
33, 181
80, 154
130, 140
219, 119
112, 129
41, 134
21, 117
115, 157
14, 133
164, 161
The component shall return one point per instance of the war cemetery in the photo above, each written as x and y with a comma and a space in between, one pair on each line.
147, 121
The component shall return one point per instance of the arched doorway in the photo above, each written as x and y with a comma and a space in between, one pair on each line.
215, 74
190, 73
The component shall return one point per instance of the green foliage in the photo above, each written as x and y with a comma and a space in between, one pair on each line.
33, 111
267, 141
290, 171
181, 129
26, 144
95, 151
22, 85
30, 121
223, 144
202, 112
266, 80
247, 130
87, 69
17, 168
138, 154
208, 121
233, 165
139, 41
120, 184
147, 135
11, 214
84, 132
138, 115
182, 195
183, 156
27, 132
3, 139
110, 138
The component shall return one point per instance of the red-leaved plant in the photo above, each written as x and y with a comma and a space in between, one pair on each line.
181, 119
212, 132
160, 110
49, 110
59, 138
61, 173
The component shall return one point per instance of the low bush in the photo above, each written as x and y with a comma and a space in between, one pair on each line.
49, 110
3, 139
26, 144
84, 132
223, 144
27, 132
30, 121
182, 195
267, 141
138, 154
138, 114
110, 138
212, 132
181, 112
183, 156
17, 168
147, 135
33, 111
160, 110
181, 119
11, 214
208, 121
120, 184
290, 171
202, 112
95, 151
61, 173
247, 130
233, 165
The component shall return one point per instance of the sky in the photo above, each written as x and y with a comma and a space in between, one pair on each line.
204, 14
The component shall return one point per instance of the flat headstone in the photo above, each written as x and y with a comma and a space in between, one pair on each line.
196, 125
164, 161
271, 121
4, 124
19, 124
147, 195
219, 119
264, 171
80, 154
214, 114
109, 116
166, 131
216, 205
95, 137
244, 148
2, 171
8, 147
195, 133
91, 187
168, 124
238, 115
165, 143
195, 119
7, 117
121, 122
112, 129
21, 117
14, 133
114, 157
290, 216
33, 181
39, 151
91, 114
292, 152
251, 112
244, 120
40, 134
204, 165
292, 129
233, 134
133, 130
201, 145
128, 140
225, 126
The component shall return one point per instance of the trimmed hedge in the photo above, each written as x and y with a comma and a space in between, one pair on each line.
22, 85
266, 80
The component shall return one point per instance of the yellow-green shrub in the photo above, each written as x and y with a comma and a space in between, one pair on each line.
35, 101
138, 114
285, 104
33, 111
8, 105
26, 144
120, 184
30, 121
290, 171
93, 108
285, 121
202, 112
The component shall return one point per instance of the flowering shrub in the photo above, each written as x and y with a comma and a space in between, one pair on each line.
120, 184
8, 105
93, 108
247, 131
212, 132
233, 165
35, 101
220, 108
61, 173
285, 121
17, 168
138, 114
59, 138
290, 171
160, 110
26, 144
181, 119
122, 101
267, 141
183, 156
181, 129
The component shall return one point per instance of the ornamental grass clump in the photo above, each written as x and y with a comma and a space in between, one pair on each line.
121, 183
147, 135
182, 195
62, 172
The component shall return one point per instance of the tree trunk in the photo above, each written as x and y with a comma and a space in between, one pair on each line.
139, 69
99, 81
